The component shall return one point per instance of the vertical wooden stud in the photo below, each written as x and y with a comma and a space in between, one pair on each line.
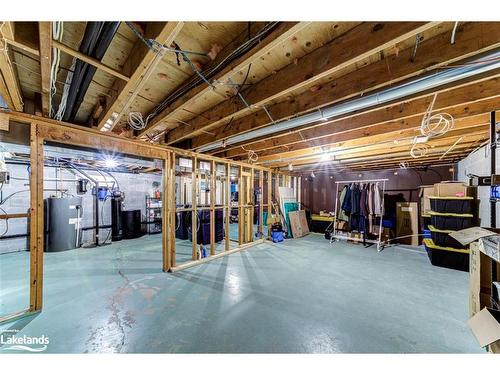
227, 205
166, 224
261, 203
213, 172
36, 219
194, 205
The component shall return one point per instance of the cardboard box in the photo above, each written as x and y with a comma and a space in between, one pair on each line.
407, 223
426, 191
485, 326
454, 189
480, 281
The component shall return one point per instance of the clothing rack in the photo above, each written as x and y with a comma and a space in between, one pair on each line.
336, 236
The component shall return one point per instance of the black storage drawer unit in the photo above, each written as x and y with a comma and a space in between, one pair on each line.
451, 221
453, 205
445, 257
442, 238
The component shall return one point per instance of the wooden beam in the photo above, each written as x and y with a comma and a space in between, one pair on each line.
431, 54
284, 31
471, 99
9, 83
89, 60
355, 45
379, 133
63, 132
399, 153
140, 61
45, 48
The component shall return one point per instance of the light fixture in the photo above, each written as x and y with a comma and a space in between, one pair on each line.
395, 173
290, 167
360, 175
110, 162
313, 175
325, 156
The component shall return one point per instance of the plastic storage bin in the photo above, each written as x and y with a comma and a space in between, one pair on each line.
451, 221
452, 205
447, 257
442, 238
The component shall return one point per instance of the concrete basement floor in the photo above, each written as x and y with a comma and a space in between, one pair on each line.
300, 296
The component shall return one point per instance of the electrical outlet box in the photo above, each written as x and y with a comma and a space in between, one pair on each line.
4, 177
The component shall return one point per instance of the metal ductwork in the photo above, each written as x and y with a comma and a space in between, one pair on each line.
97, 38
431, 81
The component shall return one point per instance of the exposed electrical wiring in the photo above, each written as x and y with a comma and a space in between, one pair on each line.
454, 33
252, 155
419, 150
414, 53
209, 73
57, 31
437, 124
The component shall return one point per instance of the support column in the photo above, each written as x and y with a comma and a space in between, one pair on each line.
36, 220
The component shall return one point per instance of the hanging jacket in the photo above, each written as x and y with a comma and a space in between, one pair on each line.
347, 204
363, 201
341, 214
377, 200
370, 199
355, 198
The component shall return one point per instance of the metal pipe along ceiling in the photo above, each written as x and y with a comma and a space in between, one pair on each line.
431, 81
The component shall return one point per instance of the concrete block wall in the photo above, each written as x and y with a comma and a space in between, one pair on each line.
478, 163
135, 187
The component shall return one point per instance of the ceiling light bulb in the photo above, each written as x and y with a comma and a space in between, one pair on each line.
313, 175
290, 167
110, 163
325, 156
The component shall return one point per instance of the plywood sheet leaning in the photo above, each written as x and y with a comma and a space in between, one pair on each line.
298, 223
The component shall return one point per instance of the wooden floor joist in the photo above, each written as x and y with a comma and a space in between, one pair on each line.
313, 66
282, 32
474, 38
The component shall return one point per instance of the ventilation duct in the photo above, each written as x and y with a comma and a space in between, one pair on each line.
431, 81
97, 38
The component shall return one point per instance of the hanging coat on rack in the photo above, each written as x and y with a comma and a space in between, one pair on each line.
341, 214
346, 205
377, 200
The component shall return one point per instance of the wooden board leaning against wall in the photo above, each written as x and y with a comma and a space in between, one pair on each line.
43, 130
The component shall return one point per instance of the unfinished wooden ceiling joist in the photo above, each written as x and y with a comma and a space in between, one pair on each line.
199, 84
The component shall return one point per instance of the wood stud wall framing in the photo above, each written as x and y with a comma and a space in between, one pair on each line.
42, 130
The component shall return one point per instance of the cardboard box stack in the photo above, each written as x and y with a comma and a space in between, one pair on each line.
452, 208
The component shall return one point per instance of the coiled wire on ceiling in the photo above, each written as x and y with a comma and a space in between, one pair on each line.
437, 124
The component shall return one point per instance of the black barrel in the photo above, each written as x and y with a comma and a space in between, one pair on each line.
131, 224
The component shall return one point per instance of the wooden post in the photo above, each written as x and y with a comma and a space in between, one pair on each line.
173, 205
194, 205
227, 206
212, 207
36, 220
165, 211
250, 209
261, 204
241, 197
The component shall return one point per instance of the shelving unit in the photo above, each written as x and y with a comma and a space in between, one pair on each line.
153, 215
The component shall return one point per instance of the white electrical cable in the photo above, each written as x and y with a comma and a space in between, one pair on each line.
437, 124
136, 120
418, 150
57, 31
453, 33
64, 99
